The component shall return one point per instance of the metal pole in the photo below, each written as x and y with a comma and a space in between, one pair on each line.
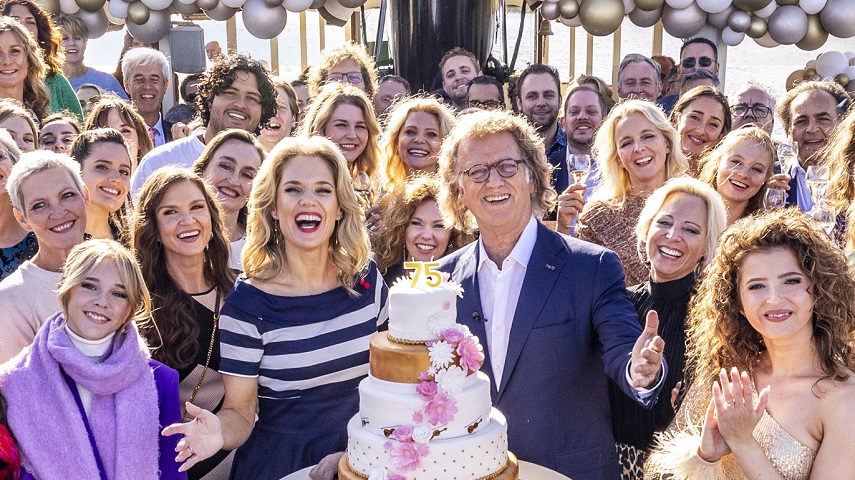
381, 24
503, 28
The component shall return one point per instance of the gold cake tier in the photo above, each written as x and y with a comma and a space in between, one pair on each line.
510, 472
397, 362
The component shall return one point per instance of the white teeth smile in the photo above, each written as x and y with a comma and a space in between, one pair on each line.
418, 153
738, 184
228, 192
6, 72
425, 248
111, 191
696, 140
61, 228
306, 217
273, 126
237, 116
97, 317
778, 315
497, 198
189, 234
347, 146
670, 252
644, 161
147, 96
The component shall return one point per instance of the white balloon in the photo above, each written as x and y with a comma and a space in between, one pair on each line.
297, 6
732, 38
118, 9
850, 72
767, 11
678, 4
812, 7
831, 63
69, 7
849, 55
233, 3
156, 4
714, 6
262, 21
810, 64
628, 6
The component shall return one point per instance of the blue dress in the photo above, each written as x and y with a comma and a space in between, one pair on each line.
309, 354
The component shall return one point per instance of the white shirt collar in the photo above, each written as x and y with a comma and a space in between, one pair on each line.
521, 252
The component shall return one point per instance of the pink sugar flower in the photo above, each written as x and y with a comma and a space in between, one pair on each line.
397, 477
404, 433
471, 354
441, 409
405, 457
452, 336
418, 417
426, 390
446, 305
423, 377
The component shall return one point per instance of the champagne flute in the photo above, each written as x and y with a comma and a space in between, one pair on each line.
824, 217
362, 187
579, 165
817, 181
787, 154
774, 198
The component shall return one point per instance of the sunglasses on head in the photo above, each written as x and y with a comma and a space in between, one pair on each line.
703, 62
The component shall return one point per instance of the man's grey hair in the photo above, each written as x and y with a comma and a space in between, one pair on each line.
143, 57
699, 74
639, 58
752, 84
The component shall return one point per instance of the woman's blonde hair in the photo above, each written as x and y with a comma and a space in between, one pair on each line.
709, 170
839, 155
321, 111
317, 77
615, 184
264, 253
716, 219
85, 257
36, 94
394, 167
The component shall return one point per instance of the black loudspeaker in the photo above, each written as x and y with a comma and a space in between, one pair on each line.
187, 49
423, 30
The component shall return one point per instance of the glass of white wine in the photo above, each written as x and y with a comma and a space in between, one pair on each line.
824, 217
362, 187
817, 181
774, 198
579, 165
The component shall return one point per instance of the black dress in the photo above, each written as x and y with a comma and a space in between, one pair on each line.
632, 425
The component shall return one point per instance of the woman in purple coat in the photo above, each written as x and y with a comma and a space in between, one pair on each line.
85, 399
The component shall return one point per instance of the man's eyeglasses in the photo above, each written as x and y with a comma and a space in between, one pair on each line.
479, 173
485, 104
704, 62
758, 111
349, 77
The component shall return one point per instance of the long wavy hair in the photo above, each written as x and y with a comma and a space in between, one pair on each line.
264, 252
98, 119
394, 167
317, 76
174, 337
49, 36
615, 184
720, 336
839, 155
36, 94
709, 173
321, 110
396, 218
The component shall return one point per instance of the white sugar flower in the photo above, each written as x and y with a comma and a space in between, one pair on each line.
462, 329
451, 380
441, 354
378, 474
438, 322
422, 434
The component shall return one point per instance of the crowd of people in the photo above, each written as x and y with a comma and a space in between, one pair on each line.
660, 287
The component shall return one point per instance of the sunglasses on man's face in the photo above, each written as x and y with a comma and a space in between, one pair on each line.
704, 62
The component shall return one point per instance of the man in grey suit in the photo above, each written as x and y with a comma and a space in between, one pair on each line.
551, 311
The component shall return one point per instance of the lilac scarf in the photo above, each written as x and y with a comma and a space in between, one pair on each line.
48, 425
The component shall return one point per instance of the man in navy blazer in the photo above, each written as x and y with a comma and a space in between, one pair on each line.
551, 311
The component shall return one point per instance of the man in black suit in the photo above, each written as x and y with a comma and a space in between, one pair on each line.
146, 73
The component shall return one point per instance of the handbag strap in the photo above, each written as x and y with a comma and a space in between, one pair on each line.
72, 385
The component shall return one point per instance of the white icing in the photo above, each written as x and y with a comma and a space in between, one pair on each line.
412, 308
473, 456
385, 405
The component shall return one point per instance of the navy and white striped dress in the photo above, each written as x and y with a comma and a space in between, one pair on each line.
309, 355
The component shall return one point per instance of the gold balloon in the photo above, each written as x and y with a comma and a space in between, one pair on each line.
649, 5
91, 5
138, 13
809, 72
815, 37
601, 17
782, 3
751, 5
851, 87
758, 27
52, 6
568, 8
794, 79
842, 79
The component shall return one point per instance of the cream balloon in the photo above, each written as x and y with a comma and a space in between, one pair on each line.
118, 9
221, 12
138, 13
739, 21
601, 17
758, 28
788, 25
297, 6
831, 63
766, 41
549, 11
849, 72
683, 23
568, 8
157, 4
572, 22
51, 6
838, 18
96, 22
714, 6
628, 6
645, 19
69, 7
766, 11
115, 20
678, 4
732, 38
155, 29
719, 20
812, 7
90, 5
263, 21
649, 5
810, 64
849, 55
815, 37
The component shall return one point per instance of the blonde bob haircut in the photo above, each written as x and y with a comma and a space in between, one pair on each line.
477, 126
716, 219
264, 254
86, 256
615, 183
394, 168
321, 111
710, 164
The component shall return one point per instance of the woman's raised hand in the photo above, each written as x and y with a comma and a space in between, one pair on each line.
734, 407
713, 446
203, 437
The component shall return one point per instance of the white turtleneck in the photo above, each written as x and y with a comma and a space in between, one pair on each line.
95, 350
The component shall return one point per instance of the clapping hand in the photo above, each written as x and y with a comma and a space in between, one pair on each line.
734, 406
203, 437
647, 353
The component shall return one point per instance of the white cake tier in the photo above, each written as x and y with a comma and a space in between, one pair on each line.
412, 308
383, 406
479, 455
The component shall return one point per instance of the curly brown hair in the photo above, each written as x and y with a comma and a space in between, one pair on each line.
220, 77
720, 336
396, 217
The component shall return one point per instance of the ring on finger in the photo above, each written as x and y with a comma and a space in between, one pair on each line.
191, 451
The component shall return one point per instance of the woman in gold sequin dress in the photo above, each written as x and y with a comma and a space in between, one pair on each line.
774, 314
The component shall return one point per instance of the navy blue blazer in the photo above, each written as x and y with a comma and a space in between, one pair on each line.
573, 328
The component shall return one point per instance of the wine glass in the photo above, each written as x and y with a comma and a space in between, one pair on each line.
824, 217
774, 198
579, 165
817, 181
362, 187
787, 154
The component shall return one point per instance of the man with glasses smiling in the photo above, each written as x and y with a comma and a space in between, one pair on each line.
485, 93
753, 104
537, 298
697, 53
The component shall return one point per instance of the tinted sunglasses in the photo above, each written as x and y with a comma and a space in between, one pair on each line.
704, 62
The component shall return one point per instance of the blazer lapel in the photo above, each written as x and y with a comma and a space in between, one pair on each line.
542, 272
